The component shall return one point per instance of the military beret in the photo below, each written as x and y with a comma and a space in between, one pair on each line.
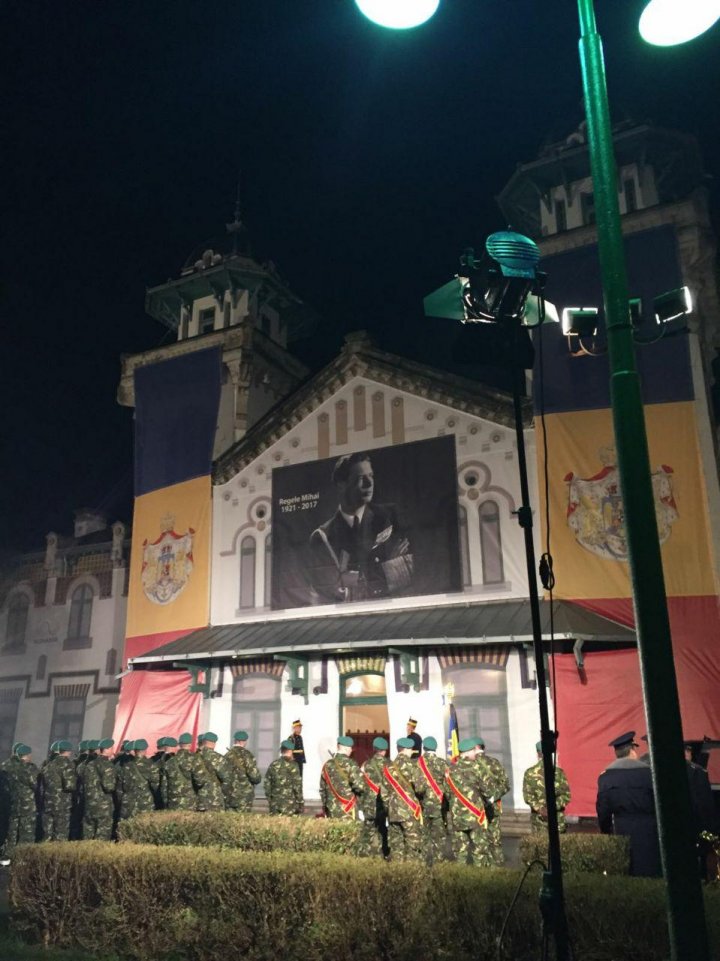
185, 738
161, 742
15, 746
93, 745
22, 750
380, 744
623, 739
140, 745
345, 741
480, 742
61, 746
467, 744
240, 736
106, 743
430, 744
82, 746
127, 745
411, 720
54, 746
538, 747
209, 736
201, 738
171, 742
405, 742
287, 745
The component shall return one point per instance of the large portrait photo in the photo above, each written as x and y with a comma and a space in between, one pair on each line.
367, 525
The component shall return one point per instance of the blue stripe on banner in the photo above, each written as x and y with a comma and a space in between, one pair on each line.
176, 409
582, 382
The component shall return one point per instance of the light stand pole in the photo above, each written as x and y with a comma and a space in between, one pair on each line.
688, 934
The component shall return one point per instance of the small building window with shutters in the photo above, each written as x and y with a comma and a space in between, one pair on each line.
111, 659
247, 572
81, 605
17, 620
491, 543
68, 717
206, 320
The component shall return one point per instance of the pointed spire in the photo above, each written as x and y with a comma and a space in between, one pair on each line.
237, 227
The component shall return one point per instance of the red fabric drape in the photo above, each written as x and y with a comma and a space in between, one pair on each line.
156, 703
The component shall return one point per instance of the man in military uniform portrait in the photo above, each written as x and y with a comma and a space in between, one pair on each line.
283, 787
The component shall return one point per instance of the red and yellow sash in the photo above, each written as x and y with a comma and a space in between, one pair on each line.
479, 812
375, 788
403, 795
437, 790
347, 804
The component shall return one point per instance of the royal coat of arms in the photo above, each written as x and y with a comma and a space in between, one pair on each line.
595, 510
167, 563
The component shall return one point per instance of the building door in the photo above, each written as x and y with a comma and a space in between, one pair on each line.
363, 711
256, 709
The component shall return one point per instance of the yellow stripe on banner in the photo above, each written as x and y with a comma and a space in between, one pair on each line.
169, 585
588, 534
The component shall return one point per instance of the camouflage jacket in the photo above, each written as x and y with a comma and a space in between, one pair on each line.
408, 776
240, 775
469, 784
177, 789
373, 808
22, 787
495, 777
208, 780
341, 784
534, 794
136, 786
59, 780
432, 805
283, 787
100, 781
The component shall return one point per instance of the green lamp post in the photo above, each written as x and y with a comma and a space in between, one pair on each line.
663, 22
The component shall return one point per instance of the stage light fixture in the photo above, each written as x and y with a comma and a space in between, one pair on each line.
498, 284
666, 23
579, 321
673, 304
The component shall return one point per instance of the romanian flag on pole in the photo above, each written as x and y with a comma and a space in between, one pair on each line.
453, 732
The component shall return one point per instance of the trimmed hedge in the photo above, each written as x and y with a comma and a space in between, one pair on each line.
595, 853
149, 903
247, 832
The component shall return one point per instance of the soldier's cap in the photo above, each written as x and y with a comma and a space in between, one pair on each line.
171, 742
185, 738
404, 743
15, 746
240, 736
380, 744
93, 745
61, 746
22, 750
201, 738
623, 739
54, 746
467, 744
538, 747
430, 744
140, 745
297, 723
126, 745
161, 742
82, 746
287, 745
209, 736
345, 741
480, 742
412, 721
107, 742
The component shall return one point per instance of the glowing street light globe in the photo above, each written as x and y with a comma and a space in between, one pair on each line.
398, 14
665, 23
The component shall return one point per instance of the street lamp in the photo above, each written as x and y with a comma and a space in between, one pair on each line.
688, 934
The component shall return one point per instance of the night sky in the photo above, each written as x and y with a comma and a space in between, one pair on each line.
369, 160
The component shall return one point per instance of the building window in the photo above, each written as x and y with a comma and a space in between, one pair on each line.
560, 216
630, 195
206, 320
9, 704
268, 571
464, 546
247, 572
256, 709
587, 205
491, 544
81, 605
41, 668
226, 314
111, 662
17, 619
68, 719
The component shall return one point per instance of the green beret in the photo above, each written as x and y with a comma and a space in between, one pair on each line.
538, 747
15, 746
22, 750
61, 746
467, 744
209, 736
93, 745
405, 742
430, 744
82, 746
240, 736
107, 742
140, 745
200, 738
380, 744
127, 745
287, 745
480, 742
161, 742
185, 738
170, 742
345, 741
54, 747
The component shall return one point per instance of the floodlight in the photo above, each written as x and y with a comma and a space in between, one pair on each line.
539, 311
579, 321
666, 23
673, 304
499, 283
398, 14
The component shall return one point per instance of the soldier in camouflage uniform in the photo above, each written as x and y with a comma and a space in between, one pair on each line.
240, 775
136, 782
22, 777
534, 795
208, 775
341, 782
158, 761
496, 777
100, 778
59, 781
283, 785
86, 751
177, 787
373, 835
403, 786
469, 793
5, 794
435, 801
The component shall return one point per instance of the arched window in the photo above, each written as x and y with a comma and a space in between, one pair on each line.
268, 571
17, 620
247, 572
81, 605
464, 546
490, 543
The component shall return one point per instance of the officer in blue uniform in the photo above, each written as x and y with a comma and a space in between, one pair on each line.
626, 805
